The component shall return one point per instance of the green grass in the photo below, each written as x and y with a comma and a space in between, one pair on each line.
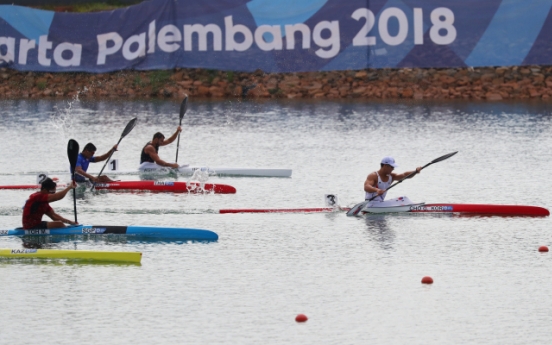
138, 81
158, 78
230, 76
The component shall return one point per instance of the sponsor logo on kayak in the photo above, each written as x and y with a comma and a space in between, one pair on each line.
431, 208
37, 232
93, 230
102, 185
154, 170
4, 232
23, 251
163, 183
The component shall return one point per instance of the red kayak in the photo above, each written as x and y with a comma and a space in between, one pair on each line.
462, 209
168, 186
490, 209
150, 186
282, 210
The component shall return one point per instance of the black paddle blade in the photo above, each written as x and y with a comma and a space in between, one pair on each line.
73, 153
442, 158
183, 107
356, 209
129, 127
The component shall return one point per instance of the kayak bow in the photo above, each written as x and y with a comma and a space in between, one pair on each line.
505, 210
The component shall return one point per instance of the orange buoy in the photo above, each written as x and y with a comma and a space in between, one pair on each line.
543, 249
301, 318
427, 280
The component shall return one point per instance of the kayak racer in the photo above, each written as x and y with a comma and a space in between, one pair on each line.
149, 156
38, 205
85, 158
378, 182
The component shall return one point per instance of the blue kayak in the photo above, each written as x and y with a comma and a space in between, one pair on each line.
138, 231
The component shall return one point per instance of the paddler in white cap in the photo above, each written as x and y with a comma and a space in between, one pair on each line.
378, 182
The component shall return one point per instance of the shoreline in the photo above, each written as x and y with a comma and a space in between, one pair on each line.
489, 83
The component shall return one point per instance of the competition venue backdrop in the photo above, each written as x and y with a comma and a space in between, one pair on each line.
279, 35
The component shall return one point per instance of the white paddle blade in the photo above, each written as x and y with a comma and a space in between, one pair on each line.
331, 200
113, 164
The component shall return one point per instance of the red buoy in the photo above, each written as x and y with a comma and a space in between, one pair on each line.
543, 249
301, 318
427, 280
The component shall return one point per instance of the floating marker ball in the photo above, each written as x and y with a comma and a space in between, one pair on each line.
427, 280
301, 318
543, 249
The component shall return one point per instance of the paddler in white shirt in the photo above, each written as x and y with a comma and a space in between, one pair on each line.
150, 152
378, 182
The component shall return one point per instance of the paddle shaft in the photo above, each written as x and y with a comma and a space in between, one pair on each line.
107, 160
183, 107
178, 142
130, 125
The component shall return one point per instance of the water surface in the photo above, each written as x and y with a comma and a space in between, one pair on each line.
358, 280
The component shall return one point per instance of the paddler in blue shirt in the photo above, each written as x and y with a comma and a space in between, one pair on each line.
150, 152
85, 158
379, 181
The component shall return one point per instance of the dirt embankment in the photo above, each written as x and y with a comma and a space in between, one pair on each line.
532, 82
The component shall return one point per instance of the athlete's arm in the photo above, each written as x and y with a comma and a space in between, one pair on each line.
61, 194
150, 150
172, 137
54, 216
105, 155
369, 184
398, 177
80, 171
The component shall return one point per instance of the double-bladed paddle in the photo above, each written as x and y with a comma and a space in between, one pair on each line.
183, 107
73, 154
130, 125
356, 209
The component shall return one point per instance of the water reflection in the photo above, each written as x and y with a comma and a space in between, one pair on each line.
379, 231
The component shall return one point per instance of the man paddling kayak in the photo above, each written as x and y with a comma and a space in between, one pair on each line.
38, 205
378, 182
85, 158
150, 152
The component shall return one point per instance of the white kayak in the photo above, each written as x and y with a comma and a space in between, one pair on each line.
187, 170
400, 204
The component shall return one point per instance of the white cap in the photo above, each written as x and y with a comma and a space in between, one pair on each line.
389, 161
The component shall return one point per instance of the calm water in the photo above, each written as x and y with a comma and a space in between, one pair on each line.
358, 280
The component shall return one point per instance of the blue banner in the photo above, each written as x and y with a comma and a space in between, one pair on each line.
279, 36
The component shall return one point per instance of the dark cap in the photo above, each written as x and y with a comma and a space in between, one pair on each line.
158, 135
49, 184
